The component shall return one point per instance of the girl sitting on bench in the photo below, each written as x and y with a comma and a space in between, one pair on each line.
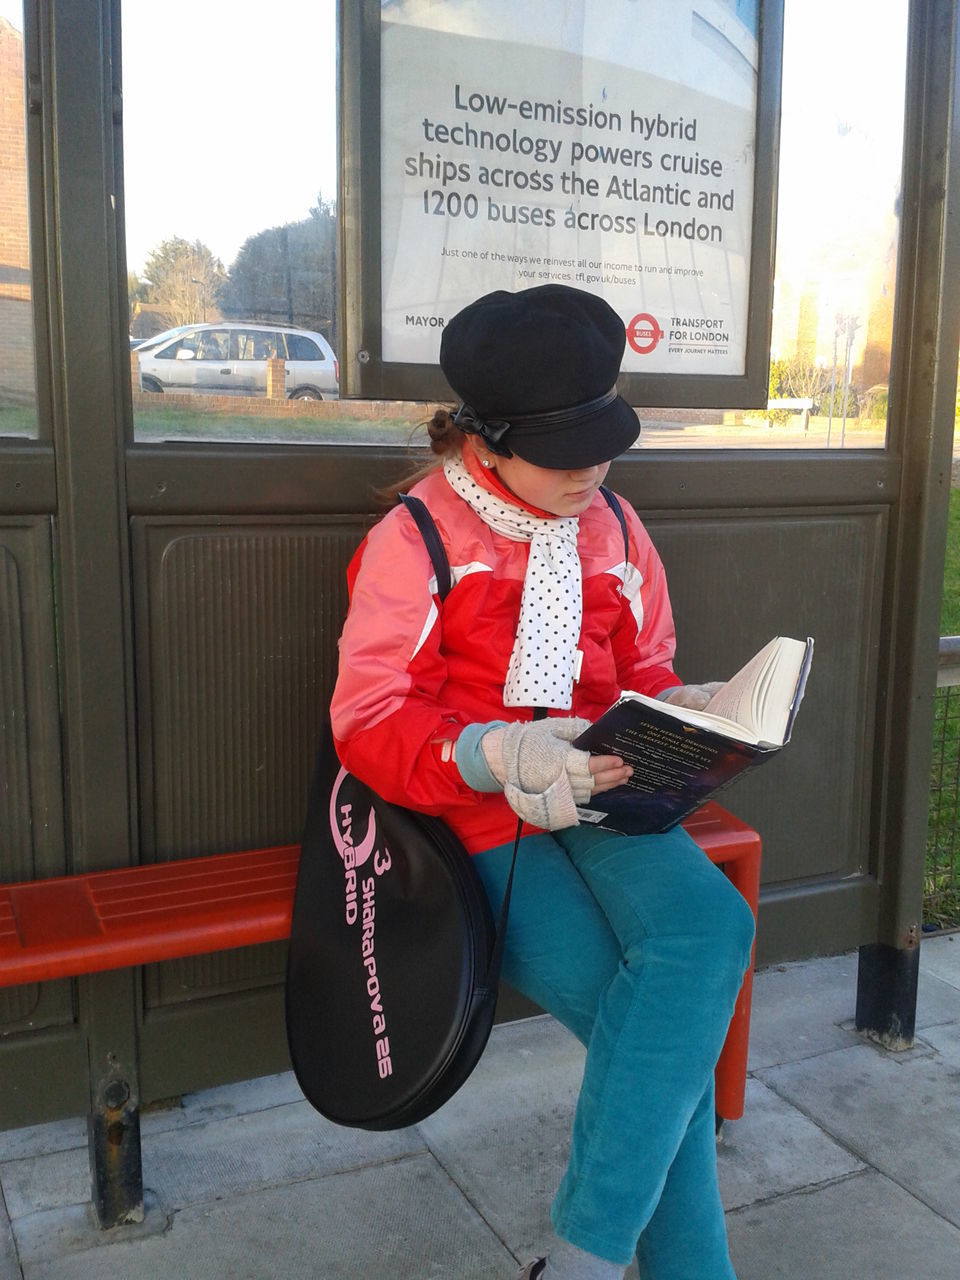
637, 944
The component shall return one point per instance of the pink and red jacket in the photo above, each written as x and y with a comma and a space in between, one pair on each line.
413, 673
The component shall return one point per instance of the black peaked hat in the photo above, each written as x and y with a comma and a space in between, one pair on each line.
536, 371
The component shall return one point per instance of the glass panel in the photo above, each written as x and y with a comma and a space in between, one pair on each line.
230, 171
837, 238
18, 392
231, 223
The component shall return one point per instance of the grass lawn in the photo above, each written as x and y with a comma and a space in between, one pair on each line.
18, 420
950, 609
175, 424
942, 888
164, 422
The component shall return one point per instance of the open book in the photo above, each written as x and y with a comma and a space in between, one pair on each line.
681, 757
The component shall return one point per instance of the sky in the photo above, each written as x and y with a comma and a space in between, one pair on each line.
230, 123
229, 117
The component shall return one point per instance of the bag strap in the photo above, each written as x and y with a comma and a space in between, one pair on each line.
434, 543
441, 567
438, 555
496, 955
613, 502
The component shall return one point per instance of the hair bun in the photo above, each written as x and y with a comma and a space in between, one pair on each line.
439, 429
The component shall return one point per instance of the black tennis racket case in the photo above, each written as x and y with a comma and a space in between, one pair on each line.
390, 992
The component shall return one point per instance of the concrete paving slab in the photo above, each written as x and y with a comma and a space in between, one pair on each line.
943, 1040
39, 1139
211, 1159
774, 1150
51, 1181
937, 1001
798, 1010
863, 1228
241, 1098
250, 1182
265, 1148
403, 1220
523, 1125
209, 1104
9, 1266
505, 1137
940, 956
899, 1113
58, 1233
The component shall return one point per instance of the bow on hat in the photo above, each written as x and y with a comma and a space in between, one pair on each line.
490, 430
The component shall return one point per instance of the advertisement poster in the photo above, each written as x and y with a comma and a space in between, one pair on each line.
605, 144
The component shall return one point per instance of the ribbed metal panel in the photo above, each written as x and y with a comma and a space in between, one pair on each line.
31, 807
16, 819
734, 584
241, 627
16, 827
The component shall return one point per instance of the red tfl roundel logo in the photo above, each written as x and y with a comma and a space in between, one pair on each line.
643, 333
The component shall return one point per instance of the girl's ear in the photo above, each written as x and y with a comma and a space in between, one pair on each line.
480, 451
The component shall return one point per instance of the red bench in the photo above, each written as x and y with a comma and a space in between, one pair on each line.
66, 926
63, 927
736, 847
60, 928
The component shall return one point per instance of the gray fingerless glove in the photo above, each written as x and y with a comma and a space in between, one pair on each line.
543, 777
694, 696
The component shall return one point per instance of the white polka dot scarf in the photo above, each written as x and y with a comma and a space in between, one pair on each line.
543, 662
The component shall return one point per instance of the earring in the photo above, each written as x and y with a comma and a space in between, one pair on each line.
485, 462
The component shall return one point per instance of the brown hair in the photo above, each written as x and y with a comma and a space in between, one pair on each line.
446, 440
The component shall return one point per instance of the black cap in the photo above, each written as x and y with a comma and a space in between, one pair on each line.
537, 373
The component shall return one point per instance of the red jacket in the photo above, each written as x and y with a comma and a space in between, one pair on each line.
413, 672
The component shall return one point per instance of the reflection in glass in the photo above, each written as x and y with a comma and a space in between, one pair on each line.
18, 415
230, 217
844, 69
230, 359
839, 209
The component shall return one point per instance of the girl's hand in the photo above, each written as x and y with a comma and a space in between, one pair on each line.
543, 777
533, 755
608, 772
694, 696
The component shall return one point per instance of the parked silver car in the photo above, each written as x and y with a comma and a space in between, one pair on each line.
230, 358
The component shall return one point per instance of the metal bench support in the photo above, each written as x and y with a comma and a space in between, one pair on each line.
113, 1142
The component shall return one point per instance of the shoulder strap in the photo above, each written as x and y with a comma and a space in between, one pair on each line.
437, 552
613, 502
441, 567
434, 543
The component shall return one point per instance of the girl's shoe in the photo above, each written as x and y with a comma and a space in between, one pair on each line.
533, 1270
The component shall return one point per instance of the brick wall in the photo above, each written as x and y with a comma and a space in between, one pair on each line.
14, 241
260, 407
16, 314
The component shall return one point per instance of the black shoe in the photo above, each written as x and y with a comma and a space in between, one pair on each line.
533, 1270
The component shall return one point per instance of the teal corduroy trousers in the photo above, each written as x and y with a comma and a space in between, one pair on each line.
638, 945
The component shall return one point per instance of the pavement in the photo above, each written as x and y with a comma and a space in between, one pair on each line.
845, 1166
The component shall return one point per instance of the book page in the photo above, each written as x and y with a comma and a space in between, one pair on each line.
702, 719
760, 695
755, 705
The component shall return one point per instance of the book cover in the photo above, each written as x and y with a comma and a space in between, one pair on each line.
679, 760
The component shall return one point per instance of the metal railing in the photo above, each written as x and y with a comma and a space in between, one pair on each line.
941, 890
